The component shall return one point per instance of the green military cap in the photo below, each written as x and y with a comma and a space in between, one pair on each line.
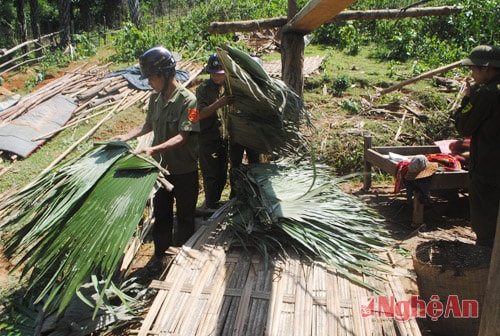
484, 55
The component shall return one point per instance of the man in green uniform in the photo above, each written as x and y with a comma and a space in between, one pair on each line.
212, 104
479, 117
173, 118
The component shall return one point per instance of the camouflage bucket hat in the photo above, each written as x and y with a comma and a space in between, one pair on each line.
484, 55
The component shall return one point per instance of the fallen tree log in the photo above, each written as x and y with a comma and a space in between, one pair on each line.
263, 24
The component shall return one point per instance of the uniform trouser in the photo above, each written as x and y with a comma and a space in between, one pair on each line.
484, 201
213, 165
236, 151
236, 155
185, 193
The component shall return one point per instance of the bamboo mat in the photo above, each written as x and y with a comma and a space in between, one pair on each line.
311, 67
211, 291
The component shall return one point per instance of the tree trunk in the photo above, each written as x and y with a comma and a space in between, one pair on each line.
111, 13
292, 55
21, 23
161, 8
35, 19
292, 61
135, 12
65, 21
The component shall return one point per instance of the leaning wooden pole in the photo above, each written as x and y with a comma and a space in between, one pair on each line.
490, 316
421, 76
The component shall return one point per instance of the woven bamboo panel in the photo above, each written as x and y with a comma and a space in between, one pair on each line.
311, 67
211, 291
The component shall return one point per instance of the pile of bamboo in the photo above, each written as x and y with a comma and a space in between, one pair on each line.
95, 93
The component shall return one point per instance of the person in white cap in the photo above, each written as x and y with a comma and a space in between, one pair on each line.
479, 117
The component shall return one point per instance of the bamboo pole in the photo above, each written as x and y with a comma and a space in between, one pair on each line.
19, 57
422, 76
22, 63
19, 46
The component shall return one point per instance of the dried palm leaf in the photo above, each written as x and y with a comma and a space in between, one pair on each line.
268, 115
284, 205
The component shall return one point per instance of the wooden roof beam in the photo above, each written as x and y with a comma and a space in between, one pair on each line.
314, 14
259, 25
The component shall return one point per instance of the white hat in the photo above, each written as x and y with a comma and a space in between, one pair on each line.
420, 167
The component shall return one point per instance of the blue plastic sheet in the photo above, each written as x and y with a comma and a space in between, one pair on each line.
17, 136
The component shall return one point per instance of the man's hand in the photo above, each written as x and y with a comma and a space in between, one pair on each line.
122, 137
227, 100
147, 150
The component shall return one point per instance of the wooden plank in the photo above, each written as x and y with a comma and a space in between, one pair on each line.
490, 316
314, 14
407, 150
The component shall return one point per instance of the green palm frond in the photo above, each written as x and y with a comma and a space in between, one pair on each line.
268, 115
305, 208
77, 222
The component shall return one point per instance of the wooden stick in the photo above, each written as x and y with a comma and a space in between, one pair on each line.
398, 132
422, 76
19, 57
19, 64
19, 46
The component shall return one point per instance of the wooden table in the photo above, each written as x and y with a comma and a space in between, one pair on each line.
441, 180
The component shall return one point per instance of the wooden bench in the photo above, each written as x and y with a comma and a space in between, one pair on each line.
441, 180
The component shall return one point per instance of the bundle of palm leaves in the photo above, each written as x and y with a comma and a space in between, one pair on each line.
76, 220
283, 206
268, 115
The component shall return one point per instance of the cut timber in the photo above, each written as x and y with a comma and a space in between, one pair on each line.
246, 26
314, 14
